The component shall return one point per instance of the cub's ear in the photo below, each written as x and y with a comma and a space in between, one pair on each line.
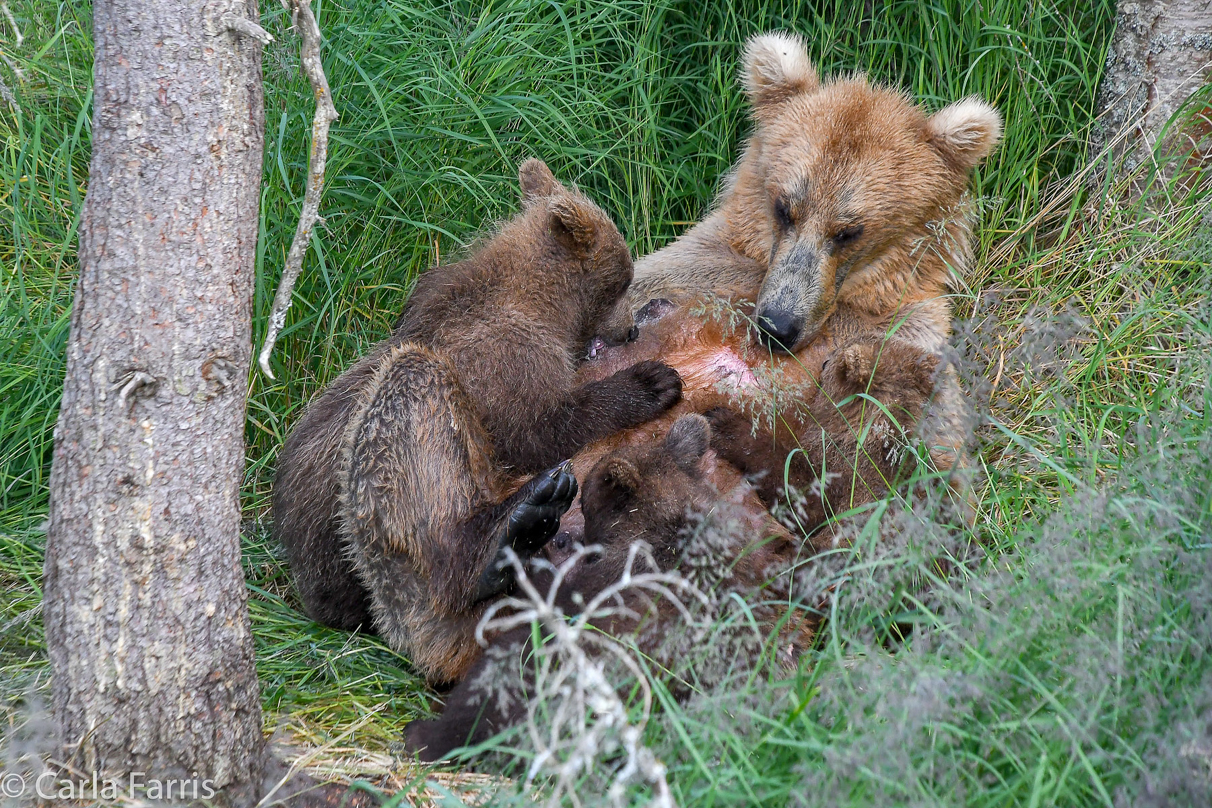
965, 132
621, 475
536, 180
776, 67
574, 225
687, 441
857, 364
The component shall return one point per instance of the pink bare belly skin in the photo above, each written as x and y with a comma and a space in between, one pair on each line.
719, 366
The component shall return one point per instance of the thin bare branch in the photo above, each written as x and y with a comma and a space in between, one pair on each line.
309, 58
5, 91
13, 66
8, 96
587, 716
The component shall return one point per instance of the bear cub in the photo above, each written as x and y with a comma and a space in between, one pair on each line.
404, 481
657, 494
861, 446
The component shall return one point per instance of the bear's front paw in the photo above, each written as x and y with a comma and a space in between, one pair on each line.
731, 434
660, 387
536, 518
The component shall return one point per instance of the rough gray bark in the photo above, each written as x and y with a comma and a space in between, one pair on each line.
145, 607
1160, 54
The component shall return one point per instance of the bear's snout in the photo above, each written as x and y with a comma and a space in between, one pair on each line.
779, 330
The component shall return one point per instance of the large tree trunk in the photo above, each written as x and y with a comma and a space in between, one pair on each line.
146, 612
1161, 53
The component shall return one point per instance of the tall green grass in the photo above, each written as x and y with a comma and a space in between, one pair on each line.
638, 103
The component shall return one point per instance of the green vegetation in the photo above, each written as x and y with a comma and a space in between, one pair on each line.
1066, 664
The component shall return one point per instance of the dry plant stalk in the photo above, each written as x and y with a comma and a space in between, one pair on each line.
8, 15
589, 719
5, 91
304, 23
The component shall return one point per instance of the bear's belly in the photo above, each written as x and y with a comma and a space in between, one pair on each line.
719, 366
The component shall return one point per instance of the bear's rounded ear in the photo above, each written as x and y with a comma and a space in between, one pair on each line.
621, 475
536, 180
776, 67
965, 132
687, 441
858, 363
574, 225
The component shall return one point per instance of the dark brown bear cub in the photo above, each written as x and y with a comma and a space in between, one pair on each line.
400, 485
658, 494
651, 493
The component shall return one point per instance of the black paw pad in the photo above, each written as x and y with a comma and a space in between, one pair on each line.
536, 518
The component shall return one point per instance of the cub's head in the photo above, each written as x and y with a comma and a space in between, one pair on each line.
849, 180
898, 375
581, 250
645, 493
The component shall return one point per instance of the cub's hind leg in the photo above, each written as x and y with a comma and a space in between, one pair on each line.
425, 513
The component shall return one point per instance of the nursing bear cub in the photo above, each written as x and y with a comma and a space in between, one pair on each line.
677, 498
400, 487
854, 437
656, 494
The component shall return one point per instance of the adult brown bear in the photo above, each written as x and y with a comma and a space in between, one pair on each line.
848, 203
846, 218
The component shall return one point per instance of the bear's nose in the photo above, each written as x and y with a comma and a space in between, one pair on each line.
778, 329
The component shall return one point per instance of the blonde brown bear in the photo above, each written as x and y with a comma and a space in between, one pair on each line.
846, 215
